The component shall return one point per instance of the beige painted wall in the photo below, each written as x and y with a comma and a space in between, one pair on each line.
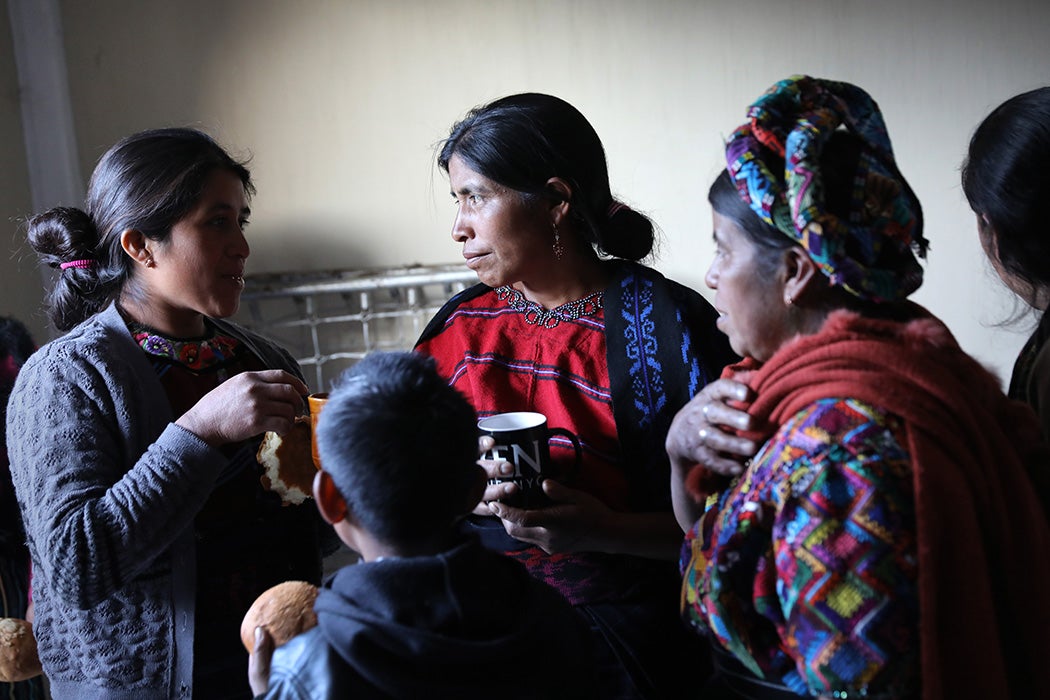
21, 285
342, 101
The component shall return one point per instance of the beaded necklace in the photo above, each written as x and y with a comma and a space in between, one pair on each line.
536, 315
197, 354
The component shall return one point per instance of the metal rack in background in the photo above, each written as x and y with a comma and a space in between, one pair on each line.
330, 320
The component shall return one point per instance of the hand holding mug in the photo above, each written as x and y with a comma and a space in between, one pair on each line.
246, 405
495, 471
573, 523
522, 440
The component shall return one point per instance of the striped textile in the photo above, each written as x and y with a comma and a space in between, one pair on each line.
615, 379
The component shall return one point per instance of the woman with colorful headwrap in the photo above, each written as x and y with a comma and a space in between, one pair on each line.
873, 544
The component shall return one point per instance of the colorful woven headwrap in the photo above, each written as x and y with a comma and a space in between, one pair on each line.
774, 160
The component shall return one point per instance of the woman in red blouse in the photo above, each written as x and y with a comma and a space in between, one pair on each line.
566, 323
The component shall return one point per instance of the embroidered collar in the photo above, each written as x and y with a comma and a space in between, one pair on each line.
549, 318
195, 353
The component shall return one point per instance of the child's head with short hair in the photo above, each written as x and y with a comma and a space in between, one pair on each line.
401, 446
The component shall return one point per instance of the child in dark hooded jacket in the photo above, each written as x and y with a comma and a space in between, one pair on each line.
427, 612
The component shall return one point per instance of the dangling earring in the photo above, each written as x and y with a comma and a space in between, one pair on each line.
559, 251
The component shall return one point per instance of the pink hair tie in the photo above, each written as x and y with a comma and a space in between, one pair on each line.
615, 208
81, 264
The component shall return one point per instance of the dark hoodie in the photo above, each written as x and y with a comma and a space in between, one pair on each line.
457, 624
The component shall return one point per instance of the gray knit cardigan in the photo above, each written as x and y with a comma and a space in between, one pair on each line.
109, 487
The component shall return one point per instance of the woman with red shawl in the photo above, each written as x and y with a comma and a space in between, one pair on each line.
887, 537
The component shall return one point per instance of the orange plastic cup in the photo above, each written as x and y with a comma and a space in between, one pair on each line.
316, 402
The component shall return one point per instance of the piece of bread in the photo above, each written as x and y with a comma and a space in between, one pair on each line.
18, 655
289, 463
285, 610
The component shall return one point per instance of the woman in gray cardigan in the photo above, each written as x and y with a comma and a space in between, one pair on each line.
132, 437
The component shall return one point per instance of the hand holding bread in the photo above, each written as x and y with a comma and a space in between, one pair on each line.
284, 611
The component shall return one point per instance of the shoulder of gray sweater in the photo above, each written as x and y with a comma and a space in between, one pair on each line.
90, 343
100, 363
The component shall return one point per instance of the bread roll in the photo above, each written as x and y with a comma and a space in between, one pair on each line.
289, 463
18, 656
285, 610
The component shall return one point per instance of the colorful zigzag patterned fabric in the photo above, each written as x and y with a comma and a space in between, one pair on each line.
805, 569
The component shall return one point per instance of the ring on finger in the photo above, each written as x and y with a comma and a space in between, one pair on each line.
702, 434
705, 409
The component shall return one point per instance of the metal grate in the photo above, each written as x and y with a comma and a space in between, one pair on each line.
330, 320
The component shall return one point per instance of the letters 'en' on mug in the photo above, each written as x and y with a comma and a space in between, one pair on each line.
522, 438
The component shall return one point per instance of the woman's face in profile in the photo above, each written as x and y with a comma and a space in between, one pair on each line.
505, 239
750, 305
199, 270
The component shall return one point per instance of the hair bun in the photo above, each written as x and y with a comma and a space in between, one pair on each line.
66, 234
627, 234
63, 234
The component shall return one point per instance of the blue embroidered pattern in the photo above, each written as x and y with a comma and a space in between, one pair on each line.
697, 376
645, 370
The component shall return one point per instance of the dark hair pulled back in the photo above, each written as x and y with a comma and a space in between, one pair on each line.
146, 182
1005, 177
522, 141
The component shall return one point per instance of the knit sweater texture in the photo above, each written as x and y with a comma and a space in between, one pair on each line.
108, 488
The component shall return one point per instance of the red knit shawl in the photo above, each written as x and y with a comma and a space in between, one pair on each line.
983, 537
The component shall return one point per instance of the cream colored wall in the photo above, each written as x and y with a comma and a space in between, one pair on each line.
21, 285
342, 102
